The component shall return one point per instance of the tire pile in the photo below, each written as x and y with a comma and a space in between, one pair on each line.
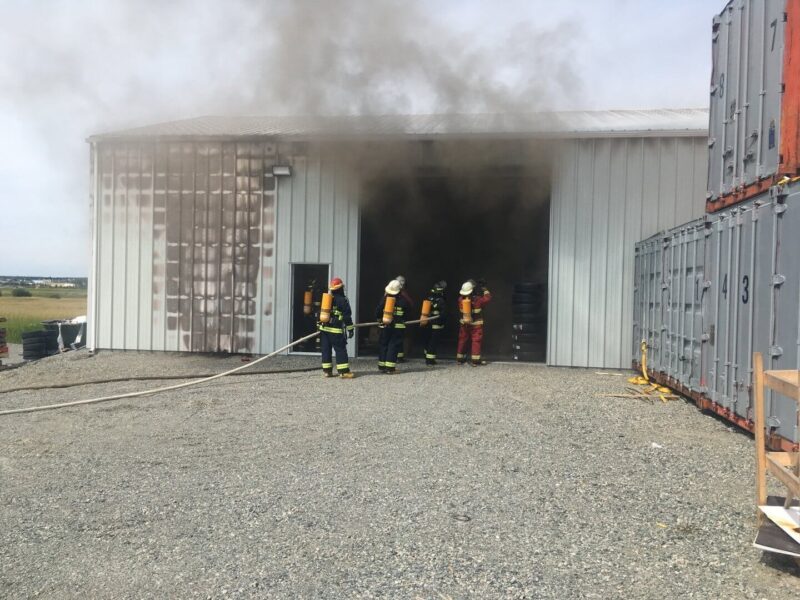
38, 344
529, 318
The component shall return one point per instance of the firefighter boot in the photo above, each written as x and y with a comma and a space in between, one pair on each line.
347, 375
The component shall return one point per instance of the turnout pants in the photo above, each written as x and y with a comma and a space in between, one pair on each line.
334, 342
432, 337
390, 343
470, 338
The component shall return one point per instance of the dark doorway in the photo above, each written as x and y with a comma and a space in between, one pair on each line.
312, 278
453, 220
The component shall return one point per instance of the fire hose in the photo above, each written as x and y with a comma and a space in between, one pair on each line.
186, 384
644, 378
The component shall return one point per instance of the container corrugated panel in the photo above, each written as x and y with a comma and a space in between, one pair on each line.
754, 99
730, 285
668, 301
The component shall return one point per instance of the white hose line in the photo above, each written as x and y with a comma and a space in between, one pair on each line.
16, 411
156, 390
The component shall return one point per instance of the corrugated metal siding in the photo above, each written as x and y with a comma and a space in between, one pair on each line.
185, 246
607, 194
573, 124
318, 222
187, 257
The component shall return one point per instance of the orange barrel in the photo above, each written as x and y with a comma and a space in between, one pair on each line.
325, 309
308, 298
427, 306
466, 310
388, 310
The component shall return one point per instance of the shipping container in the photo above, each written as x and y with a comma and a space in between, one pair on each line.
710, 293
754, 99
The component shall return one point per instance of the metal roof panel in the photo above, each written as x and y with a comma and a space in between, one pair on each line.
612, 123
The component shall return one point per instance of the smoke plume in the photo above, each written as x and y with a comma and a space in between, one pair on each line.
73, 69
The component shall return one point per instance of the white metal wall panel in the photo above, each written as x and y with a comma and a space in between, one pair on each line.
317, 222
607, 194
185, 246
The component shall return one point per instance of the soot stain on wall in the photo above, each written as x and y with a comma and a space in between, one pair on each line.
209, 210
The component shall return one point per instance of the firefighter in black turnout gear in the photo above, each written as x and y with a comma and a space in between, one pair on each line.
438, 315
392, 312
332, 334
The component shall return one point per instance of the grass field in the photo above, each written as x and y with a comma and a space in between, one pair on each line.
26, 314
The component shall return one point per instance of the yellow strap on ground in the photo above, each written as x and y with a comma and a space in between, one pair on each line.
644, 380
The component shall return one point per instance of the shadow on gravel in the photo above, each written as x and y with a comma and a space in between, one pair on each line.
778, 562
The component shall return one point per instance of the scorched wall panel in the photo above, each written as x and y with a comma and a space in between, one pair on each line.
184, 246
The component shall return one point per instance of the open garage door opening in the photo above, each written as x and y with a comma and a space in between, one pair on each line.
457, 211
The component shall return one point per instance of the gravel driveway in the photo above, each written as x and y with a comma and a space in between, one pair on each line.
509, 481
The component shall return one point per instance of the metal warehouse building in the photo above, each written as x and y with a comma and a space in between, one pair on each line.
206, 231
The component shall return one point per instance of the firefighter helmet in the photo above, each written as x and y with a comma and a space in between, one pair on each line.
393, 288
467, 288
336, 283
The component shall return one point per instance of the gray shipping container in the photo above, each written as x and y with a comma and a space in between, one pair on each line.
746, 94
710, 293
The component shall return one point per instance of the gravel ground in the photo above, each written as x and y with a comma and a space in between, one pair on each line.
510, 481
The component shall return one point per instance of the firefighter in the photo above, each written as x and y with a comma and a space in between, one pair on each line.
471, 330
390, 340
438, 315
333, 333
405, 347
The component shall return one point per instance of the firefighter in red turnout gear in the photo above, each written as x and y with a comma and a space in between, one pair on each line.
472, 299
390, 339
332, 334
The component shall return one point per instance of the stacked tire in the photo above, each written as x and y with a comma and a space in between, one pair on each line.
38, 344
51, 328
529, 318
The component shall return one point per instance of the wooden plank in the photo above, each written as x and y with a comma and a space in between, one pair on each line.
787, 459
761, 459
789, 479
784, 382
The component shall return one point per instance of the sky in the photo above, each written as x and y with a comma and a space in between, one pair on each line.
72, 68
